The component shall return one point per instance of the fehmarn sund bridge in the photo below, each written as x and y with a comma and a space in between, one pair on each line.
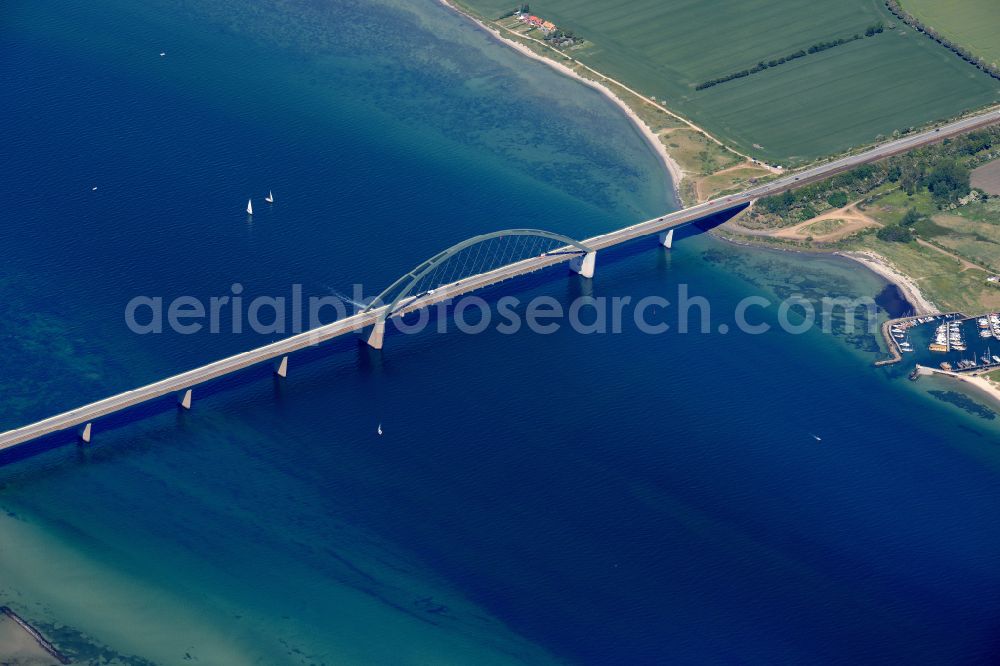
459, 270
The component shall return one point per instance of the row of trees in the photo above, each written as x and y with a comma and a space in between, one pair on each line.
562, 37
871, 31
838, 189
962, 52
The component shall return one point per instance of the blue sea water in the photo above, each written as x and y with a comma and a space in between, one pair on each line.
615, 498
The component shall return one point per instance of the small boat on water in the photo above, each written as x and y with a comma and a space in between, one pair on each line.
270, 197
379, 431
249, 206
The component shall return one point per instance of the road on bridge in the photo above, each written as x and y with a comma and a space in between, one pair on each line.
282, 348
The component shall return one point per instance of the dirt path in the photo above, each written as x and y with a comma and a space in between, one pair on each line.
735, 167
964, 263
854, 218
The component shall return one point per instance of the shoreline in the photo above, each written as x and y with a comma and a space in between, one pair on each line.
22, 641
990, 390
985, 386
873, 261
880, 265
674, 172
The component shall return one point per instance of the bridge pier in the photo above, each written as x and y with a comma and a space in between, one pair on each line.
85, 433
281, 368
377, 335
184, 399
584, 265
667, 239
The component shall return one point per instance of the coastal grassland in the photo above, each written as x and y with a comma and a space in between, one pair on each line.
973, 231
822, 227
941, 260
940, 277
972, 23
916, 210
736, 178
817, 105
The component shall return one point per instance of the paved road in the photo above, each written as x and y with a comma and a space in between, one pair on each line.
177, 383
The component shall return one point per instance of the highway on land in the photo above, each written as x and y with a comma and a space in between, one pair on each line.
276, 350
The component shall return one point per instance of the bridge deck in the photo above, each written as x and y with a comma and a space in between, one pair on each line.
88, 413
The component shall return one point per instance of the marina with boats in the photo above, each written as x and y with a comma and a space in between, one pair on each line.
964, 341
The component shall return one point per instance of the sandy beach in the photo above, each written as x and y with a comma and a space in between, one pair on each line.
674, 169
986, 386
982, 384
883, 267
19, 648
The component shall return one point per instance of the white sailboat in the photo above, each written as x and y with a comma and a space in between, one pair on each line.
249, 206
270, 197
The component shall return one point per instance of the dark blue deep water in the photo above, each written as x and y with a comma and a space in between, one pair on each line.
607, 498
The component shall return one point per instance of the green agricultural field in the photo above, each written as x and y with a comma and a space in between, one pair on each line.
975, 24
809, 107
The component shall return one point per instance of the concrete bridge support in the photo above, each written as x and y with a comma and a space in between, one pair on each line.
377, 335
281, 367
667, 239
584, 265
184, 399
85, 433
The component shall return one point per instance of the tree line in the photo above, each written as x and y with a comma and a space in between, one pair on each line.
943, 170
870, 31
962, 52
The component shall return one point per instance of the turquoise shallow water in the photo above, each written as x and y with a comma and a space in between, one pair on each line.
565, 497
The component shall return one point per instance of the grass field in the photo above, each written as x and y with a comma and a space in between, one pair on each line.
975, 24
817, 105
973, 231
940, 277
954, 246
822, 227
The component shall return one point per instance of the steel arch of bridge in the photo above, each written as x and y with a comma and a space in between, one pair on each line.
404, 285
